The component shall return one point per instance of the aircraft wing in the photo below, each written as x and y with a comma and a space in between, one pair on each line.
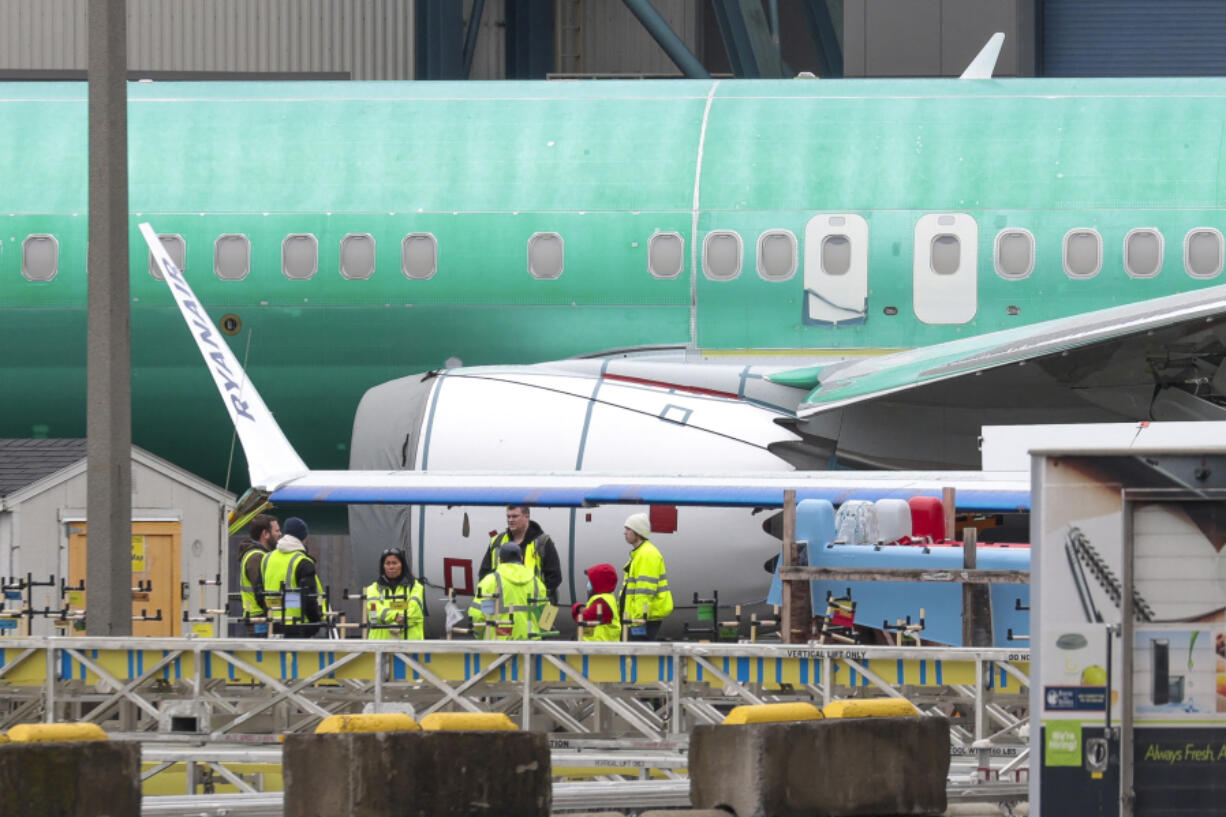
853, 381
277, 470
974, 490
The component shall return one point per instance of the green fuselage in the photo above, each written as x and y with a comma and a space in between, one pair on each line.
482, 167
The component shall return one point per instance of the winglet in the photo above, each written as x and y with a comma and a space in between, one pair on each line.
985, 61
271, 460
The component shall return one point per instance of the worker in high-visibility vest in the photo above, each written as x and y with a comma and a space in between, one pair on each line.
645, 600
292, 589
262, 536
599, 617
509, 601
394, 602
540, 553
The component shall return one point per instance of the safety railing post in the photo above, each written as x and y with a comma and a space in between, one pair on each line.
380, 669
526, 714
49, 689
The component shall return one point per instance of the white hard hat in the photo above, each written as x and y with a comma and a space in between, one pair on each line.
640, 524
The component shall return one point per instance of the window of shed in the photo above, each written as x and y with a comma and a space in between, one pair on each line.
40, 257
1143, 253
1083, 253
419, 256
777, 255
666, 255
1202, 252
299, 256
546, 254
232, 257
176, 248
1014, 254
946, 253
358, 256
721, 255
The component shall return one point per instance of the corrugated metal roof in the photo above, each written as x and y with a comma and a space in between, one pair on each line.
1133, 38
23, 462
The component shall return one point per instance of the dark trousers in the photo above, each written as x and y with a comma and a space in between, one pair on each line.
652, 634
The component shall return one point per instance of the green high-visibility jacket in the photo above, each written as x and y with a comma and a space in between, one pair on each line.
280, 576
604, 632
645, 585
251, 604
508, 604
383, 604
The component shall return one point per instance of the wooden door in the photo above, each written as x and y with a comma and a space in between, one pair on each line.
155, 560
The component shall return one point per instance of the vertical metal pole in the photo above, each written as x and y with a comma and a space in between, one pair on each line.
827, 677
109, 387
379, 663
527, 704
1127, 795
49, 689
678, 665
789, 559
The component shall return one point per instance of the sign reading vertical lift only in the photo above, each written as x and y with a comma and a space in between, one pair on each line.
1128, 609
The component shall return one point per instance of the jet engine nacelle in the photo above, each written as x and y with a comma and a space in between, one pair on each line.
586, 415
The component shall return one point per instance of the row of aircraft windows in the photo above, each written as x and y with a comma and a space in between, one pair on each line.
722, 254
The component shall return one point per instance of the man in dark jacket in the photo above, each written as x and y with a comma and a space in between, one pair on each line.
538, 549
262, 536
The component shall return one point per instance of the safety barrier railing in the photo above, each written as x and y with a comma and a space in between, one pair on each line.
650, 694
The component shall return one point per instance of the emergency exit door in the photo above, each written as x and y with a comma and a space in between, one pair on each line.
155, 564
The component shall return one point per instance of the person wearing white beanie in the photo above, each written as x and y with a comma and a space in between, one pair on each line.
645, 598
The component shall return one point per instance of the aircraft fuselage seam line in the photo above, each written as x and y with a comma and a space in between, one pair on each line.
702, 139
425, 460
587, 423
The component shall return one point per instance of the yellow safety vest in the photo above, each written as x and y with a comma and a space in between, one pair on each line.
645, 584
604, 632
384, 603
532, 559
251, 606
279, 575
508, 605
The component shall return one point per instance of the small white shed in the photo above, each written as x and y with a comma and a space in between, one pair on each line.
178, 536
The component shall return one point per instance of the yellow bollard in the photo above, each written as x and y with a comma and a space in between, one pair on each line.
870, 708
373, 722
773, 713
467, 722
55, 732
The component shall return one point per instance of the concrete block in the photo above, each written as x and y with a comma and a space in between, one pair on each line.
822, 768
418, 773
86, 779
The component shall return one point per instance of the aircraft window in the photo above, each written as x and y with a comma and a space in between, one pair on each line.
1014, 253
777, 255
232, 257
1143, 253
721, 255
358, 256
1202, 252
419, 256
176, 248
1083, 253
299, 256
666, 255
546, 255
836, 254
946, 253
40, 257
